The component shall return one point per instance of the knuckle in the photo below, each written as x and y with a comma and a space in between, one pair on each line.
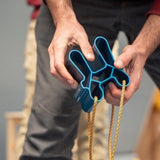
58, 66
127, 97
53, 72
137, 85
114, 92
49, 49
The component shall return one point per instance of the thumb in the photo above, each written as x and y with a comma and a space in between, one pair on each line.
86, 49
123, 60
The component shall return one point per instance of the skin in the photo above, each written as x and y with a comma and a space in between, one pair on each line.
69, 32
133, 58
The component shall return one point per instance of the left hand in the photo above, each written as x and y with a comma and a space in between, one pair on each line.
132, 60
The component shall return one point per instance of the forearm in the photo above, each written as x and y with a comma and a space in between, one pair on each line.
61, 10
149, 37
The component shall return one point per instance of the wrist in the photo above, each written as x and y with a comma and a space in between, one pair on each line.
61, 10
141, 49
148, 39
64, 18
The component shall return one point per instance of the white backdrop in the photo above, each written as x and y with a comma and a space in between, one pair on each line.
14, 19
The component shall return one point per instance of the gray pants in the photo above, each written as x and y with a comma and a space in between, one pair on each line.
54, 117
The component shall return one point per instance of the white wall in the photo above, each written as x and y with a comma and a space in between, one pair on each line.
14, 18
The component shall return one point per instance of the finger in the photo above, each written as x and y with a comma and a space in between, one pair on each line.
124, 59
110, 99
131, 89
54, 72
115, 92
86, 48
113, 95
110, 96
52, 68
59, 56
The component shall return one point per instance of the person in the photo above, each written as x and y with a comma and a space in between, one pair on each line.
30, 58
60, 26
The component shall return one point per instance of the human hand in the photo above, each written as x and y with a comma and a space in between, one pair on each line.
132, 60
68, 34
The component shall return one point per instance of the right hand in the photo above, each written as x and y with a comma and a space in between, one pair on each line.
67, 34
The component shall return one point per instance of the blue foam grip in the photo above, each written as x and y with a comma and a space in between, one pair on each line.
93, 76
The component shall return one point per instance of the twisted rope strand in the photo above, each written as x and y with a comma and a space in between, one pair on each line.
112, 152
90, 128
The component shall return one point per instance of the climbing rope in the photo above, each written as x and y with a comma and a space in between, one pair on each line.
90, 128
111, 151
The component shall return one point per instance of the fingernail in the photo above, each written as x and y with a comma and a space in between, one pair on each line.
110, 85
90, 55
72, 84
119, 63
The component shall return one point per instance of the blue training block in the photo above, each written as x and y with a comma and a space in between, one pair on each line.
94, 76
